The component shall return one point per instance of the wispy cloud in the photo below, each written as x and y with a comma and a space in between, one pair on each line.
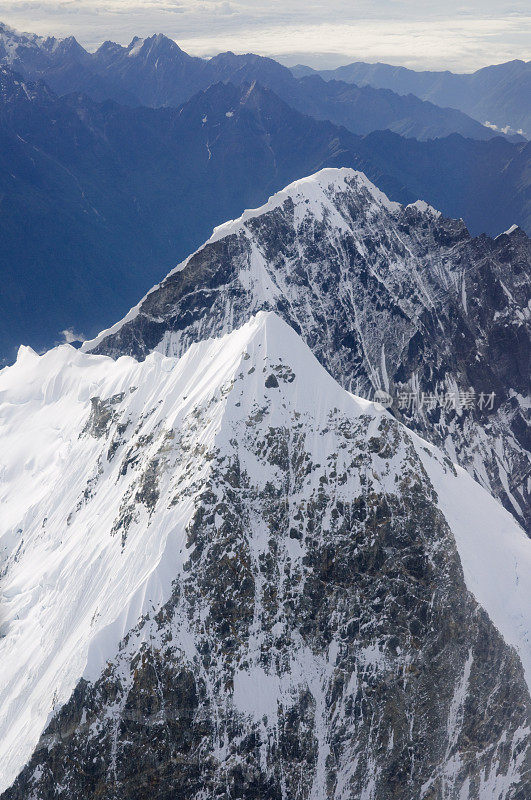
398, 31
71, 336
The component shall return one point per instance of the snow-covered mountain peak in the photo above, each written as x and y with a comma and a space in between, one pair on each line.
87, 445
9, 31
423, 207
153, 47
30, 53
66, 422
342, 201
240, 518
317, 195
11, 40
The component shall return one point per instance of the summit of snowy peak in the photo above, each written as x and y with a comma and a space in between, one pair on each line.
9, 31
340, 202
67, 46
26, 352
315, 195
109, 46
273, 352
11, 38
36, 56
264, 340
424, 207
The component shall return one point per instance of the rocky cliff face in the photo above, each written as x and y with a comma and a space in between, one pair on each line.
389, 298
265, 587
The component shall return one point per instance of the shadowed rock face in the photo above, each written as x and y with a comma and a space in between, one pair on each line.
320, 641
388, 298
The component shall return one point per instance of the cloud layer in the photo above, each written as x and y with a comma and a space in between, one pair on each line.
464, 37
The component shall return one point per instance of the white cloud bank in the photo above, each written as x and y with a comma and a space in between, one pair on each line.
396, 31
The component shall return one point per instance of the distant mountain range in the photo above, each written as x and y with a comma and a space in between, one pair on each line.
499, 94
98, 200
156, 72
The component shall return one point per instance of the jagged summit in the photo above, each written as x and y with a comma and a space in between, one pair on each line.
8, 30
110, 50
223, 100
11, 41
67, 46
15, 46
154, 46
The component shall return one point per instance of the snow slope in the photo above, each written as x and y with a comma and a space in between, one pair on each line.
71, 591
101, 466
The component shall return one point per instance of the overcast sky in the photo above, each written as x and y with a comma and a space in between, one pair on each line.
435, 34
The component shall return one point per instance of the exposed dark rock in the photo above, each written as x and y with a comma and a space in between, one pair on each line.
393, 678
